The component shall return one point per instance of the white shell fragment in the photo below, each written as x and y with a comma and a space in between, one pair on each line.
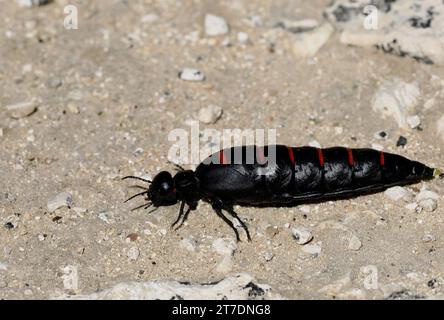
355, 244
396, 99
301, 235
210, 114
307, 44
63, 199
189, 74
398, 193
21, 110
413, 121
215, 26
427, 200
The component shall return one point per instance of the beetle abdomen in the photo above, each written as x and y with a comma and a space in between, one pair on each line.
304, 173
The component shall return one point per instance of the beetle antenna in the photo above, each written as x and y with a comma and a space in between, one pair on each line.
136, 195
147, 205
137, 178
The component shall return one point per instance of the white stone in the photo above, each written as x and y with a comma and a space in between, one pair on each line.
225, 264
210, 114
105, 217
63, 199
396, 99
428, 238
188, 244
427, 194
307, 44
268, 256
312, 249
353, 294
224, 246
298, 26
440, 128
411, 206
215, 25
21, 110
133, 253
404, 28
242, 37
31, 3
302, 235
428, 205
70, 277
398, 193
333, 289
3, 266
354, 243
236, 287
150, 18
190, 74
413, 121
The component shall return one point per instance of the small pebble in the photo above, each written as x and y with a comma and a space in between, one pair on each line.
3, 266
402, 141
132, 237
215, 26
242, 37
428, 238
271, 231
268, 256
188, 244
411, 206
41, 237
133, 253
63, 199
224, 246
21, 110
397, 193
54, 83
72, 108
32, 3
413, 122
313, 249
354, 244
189, 74
428, 205
9, 225
301, 235
381, 135
427, 194
210, 114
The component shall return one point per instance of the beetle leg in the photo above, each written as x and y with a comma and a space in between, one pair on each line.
185, 217
233, 213
182, 206
217, 208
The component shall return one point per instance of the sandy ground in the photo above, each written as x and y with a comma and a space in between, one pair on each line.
109, 95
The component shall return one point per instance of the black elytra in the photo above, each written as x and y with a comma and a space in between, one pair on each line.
296, 175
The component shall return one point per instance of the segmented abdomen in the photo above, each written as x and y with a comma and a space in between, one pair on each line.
335, 169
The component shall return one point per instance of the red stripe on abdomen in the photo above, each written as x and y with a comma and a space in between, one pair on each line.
291, 155
351, 161
381, 159
321, 157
